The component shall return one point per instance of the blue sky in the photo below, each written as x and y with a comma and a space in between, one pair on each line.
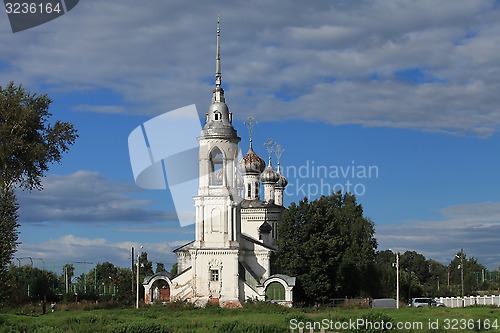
407, 88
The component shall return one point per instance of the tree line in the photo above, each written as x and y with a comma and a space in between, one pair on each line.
329, 245
104, 282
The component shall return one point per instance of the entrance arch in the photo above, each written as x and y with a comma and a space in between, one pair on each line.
157, 288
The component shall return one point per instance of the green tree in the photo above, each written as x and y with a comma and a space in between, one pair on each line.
8, 238
29, 144
472, 272
175, 269
31, 284
146, 268
329, 246
160, 267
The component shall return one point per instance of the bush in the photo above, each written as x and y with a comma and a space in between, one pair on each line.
239, 327
140, 328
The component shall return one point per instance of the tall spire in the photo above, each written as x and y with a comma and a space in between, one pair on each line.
218, 91
217, 58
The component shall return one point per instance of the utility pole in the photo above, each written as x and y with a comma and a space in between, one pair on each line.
397, 280
462, 273
132, 259
462, 276
66, 277
137, 282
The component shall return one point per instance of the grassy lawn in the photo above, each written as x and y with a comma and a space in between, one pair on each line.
253, 318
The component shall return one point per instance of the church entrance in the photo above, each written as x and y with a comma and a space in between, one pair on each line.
160, 291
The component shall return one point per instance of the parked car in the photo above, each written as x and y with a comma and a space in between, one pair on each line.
421, 302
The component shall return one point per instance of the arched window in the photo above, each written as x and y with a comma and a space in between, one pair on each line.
257, 187
216, 167
249, 190
215, 220
275, 292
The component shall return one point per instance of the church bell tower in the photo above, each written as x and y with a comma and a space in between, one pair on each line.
217, 219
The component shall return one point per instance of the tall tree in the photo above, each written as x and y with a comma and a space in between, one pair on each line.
329, 246
29, 143
160, 267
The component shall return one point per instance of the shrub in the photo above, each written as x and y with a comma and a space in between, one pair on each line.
146, 327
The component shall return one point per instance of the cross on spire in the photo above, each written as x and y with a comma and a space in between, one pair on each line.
278, 151
250, 123
270, 144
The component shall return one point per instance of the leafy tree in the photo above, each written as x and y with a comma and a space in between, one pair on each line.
68, 272
175, 269
29, 143
123, 280
31, 284
160, 267
8, 235
329, 246
146, 268
386, 272
472, 270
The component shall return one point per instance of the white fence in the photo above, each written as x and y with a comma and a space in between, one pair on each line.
458, 302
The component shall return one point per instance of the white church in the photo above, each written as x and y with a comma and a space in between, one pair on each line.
229, 262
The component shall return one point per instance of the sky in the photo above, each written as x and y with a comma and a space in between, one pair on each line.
394, 101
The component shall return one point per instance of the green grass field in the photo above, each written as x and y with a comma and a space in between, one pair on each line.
253, 318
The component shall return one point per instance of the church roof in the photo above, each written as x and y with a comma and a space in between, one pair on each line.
290, 280
162, 274
254, 241
183, 247
256, 203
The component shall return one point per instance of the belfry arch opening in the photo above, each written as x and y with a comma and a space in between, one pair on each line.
216, 167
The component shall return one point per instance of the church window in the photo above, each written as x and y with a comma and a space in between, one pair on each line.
216, 167
214, 275
217, 115
275, 292
249, 190
256, 189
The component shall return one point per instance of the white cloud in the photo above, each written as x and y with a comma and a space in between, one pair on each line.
87, 197
70, 248
99, 108
322, 55
473, 227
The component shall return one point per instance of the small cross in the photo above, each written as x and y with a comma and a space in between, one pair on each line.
270, 144
250, 123
278, 151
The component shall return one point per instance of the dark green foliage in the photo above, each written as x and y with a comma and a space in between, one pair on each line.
147, 327
160, 267
329, 246
8, 238
239, 327
175, 269
421, 277
29, 143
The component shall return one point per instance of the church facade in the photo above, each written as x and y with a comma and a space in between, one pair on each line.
229, 261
